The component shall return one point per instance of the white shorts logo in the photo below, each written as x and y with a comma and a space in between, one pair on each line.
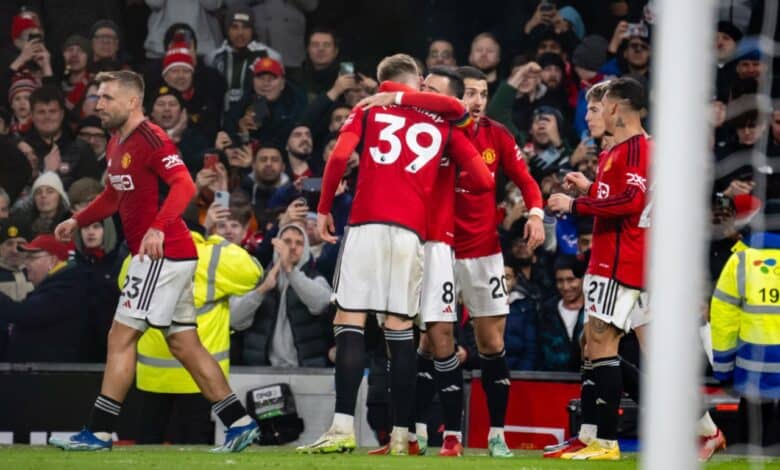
172, 161
603, 191
122, 182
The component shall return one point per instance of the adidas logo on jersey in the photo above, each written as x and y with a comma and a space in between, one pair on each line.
599, 401
127, 304
447, 309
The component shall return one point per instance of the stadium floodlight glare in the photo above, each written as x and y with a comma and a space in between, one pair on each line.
681, 160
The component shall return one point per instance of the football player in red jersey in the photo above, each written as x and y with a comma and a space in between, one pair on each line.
158, 289
614, 285
380, 265
479, 263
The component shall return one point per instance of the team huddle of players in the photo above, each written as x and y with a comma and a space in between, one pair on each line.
423, 229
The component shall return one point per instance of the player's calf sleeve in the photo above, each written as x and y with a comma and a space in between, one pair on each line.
588, 403
609, 388
425, 388
495, 381
350, 362
229, 410
104, 414
403, 368
449, 382
630, 358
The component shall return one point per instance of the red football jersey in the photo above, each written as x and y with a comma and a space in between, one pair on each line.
441, 215
617, 199
399, 162
137, 168
476, 234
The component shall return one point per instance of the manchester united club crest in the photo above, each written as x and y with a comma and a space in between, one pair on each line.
608, 164
489, 156
13, 232
126, 161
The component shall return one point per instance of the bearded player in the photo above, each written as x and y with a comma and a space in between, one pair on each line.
157, 291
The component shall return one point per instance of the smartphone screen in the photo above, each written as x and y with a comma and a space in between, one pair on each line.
210, 161
261, 110
222, 198
346, 68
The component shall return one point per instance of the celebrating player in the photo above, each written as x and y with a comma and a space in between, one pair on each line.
615, 300
380, 266
157, 291
479, 264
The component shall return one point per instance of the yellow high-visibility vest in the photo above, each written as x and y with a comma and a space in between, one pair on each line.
224, 270
745, 323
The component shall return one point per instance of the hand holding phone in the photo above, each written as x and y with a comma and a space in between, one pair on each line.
222, 198
210, 161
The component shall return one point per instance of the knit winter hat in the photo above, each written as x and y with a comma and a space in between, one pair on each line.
178, 55
591, 53
52, 180
22, 82
78, 40
21, 23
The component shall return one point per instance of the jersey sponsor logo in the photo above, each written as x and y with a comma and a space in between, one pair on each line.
489, 156
126, 161
603, 190
636, 180
172, 160
122, 182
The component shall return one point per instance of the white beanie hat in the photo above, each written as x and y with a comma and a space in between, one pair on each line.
51, 179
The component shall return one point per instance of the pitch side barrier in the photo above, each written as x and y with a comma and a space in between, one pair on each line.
38, 400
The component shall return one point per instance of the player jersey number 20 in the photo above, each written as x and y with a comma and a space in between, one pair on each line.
391, 134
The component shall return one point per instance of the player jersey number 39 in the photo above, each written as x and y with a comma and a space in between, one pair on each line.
389, 134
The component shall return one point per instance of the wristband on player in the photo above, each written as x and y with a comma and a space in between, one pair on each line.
398, 97
537, 212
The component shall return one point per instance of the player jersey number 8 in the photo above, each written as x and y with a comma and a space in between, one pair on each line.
425, 153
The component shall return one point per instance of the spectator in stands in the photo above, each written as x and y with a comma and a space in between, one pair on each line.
282, 25
279, 102
733, 175
584, 234
726, 46
16, 167
531, 274
547, 149
69, 157
82, 192
440, 53
19, 99
291, 327
51, 323
520, 332
91, 131
321, 67
562, 318
235, 57
485, 55
76, 52
5, 204
13, 282
47, 207
202, 105
87, 105
167, 111
198, 15
631, 46
749, 65
98, 251
106, 36
553, 76
28, 55
299, 154
267, 177
588, 58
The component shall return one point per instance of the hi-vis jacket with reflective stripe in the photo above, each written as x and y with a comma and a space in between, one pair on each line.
745, 321
224, 270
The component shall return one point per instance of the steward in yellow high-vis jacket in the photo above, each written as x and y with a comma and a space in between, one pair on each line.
745, 318
224, 289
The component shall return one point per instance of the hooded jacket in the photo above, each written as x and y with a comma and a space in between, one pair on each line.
102, 266
291, 327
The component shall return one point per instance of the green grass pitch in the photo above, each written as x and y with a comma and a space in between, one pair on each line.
197, 457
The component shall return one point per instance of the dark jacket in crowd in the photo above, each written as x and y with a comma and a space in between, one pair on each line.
556, 351
520, 332
15, 171
78, 159
284, 113
51, 323
317, 82
103, 266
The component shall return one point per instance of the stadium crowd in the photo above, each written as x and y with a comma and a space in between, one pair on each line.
254, 93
